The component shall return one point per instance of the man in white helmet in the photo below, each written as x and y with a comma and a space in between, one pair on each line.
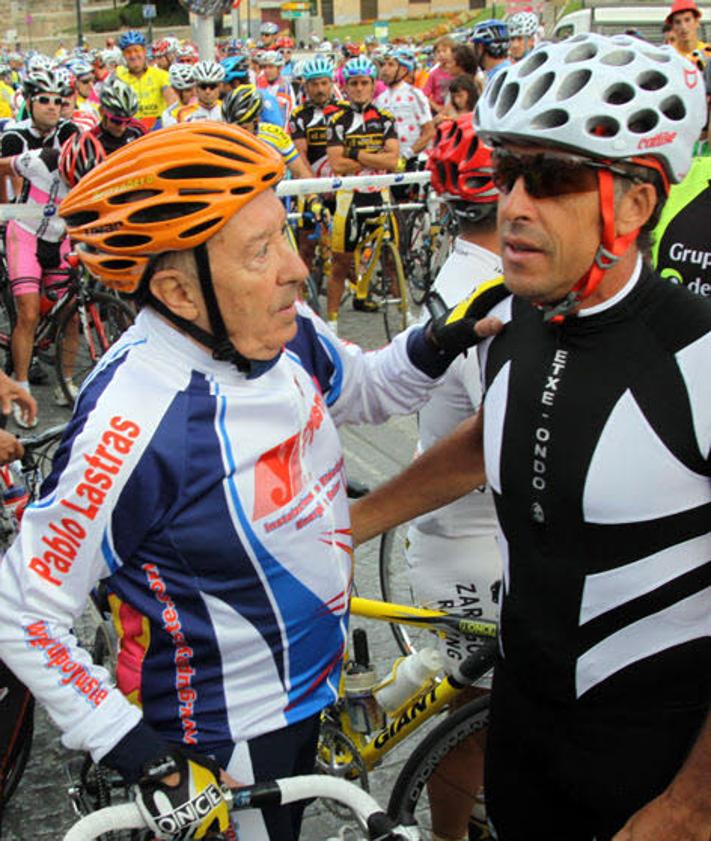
595, 438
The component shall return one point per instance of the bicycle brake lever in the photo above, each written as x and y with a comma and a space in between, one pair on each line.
435, 304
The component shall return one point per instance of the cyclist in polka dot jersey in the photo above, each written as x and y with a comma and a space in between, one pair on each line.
407, 103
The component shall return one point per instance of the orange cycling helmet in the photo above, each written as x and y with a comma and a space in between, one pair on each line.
461, 169
170, 190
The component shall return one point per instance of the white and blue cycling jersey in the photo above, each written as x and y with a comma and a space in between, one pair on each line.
214, 507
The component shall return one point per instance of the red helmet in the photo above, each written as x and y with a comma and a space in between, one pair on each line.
284, 43
683, 6
461, 167
80, 154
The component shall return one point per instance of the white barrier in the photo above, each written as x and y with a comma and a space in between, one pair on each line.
296, 187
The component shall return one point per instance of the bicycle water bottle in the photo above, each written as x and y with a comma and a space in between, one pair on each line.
15, 496
360, 678
409, 677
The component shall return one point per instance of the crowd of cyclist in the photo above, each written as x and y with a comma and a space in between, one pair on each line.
344, 109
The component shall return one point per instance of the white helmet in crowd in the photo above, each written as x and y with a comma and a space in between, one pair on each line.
208, 71
182, 76
615, 98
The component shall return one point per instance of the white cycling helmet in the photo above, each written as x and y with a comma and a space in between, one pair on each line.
272, 57
523, 25
612, 98
208, 71
39, 62
182, 76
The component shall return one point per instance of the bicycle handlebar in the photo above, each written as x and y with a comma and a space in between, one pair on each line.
34, 442
388, 208
259, 795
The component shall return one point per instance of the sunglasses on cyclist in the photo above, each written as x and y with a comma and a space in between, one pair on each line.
117, 121
544, 175
48, 100
206, 86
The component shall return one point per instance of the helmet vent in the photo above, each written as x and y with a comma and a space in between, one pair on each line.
618, 58
84, 217
270, 176
508, 97
554, 118
241, 191
673, 108
165, 212
533, 63
117, 264
643, 121
583, 52
198, 191
602, 127
538, 90
573, 83
133, 196
198, 229
651, 80
198, 171
233, 156
619, 94
126, 240
661, 57
496, 87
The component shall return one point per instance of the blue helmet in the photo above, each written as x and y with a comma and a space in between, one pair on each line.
131, 38
404, 57
317, 68
236, 68
359, 66
494, 35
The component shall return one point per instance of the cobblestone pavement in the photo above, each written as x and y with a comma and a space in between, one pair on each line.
40, 810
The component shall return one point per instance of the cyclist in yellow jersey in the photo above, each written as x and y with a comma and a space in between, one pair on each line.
151, 84
6, 93
242, 106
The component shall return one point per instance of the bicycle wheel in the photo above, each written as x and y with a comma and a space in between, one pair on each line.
389, 290
85, 333
395, 587
416, 256
16, 767
409, 800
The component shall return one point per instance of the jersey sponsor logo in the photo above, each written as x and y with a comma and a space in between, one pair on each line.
660, 139
278, 476
681, 254
64, 537
71, 673
184, 671
543, 434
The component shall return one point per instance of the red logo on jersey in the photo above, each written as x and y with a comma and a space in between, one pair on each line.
278, 476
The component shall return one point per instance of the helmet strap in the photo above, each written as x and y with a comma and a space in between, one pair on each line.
608, 253
217, 341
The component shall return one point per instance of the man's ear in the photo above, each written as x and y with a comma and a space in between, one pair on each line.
635, 207
178, 292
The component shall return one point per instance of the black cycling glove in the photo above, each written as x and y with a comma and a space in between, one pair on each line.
452, 332
192, 808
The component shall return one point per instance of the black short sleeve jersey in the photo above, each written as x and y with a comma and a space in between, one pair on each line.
367, 129
597, 439
308, 122
134, 130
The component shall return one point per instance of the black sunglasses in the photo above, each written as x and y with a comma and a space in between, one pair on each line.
49, 100
207, 85
547, 176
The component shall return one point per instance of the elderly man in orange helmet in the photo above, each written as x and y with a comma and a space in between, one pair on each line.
202, 480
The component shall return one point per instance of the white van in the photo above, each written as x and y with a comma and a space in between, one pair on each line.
611, 20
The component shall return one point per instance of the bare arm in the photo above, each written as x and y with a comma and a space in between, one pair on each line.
340, 164
169, 95
454, 466
299, 168
426, 134
387, 158
683, 811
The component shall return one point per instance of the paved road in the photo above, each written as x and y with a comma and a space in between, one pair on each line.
40, 810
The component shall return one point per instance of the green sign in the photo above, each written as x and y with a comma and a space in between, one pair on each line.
292, 15
381, 29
